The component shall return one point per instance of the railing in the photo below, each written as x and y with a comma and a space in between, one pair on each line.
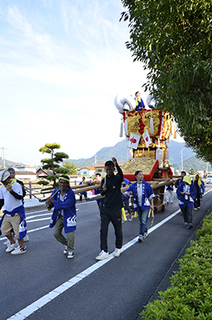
33, 190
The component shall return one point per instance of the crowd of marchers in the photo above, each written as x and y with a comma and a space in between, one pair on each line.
63, 202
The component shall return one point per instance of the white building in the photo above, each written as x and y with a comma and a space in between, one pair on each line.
86, 172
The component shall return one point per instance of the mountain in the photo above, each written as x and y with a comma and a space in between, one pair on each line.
195, 163
119, 151
8, 163
175, 149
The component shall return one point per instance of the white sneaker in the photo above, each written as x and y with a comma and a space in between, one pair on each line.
130, 218
11, 247
145, 235
70, 255
65, 251
195, 209
102, 255
6, 243
117, 252
19, 250
26, 238
140, 238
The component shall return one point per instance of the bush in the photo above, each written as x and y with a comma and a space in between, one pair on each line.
190, 294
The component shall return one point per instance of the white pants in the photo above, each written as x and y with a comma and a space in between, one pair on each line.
169, 195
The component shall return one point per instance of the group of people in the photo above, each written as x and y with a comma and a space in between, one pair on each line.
63, 202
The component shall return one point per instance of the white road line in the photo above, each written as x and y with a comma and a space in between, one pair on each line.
33, 212
38, 229
42, 219
38, 215
26, 312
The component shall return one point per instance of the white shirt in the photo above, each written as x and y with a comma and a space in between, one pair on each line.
139, 192
62, 199
10, 202
186, 189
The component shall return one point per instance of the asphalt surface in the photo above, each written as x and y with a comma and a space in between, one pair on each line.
117, 289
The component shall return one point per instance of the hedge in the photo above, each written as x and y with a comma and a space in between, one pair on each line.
190, 293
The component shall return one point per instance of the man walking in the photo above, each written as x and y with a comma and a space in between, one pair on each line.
98, 191
186, 193
180, 180
13, 178
143, 200
64, 215
111, 210
11, 195
85, 192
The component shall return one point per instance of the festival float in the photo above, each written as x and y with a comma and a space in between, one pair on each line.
148, 132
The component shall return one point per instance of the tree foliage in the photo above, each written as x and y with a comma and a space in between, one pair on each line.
192, 171
52, 163
70, 166
173, 40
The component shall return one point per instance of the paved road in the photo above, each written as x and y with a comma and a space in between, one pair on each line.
82, 288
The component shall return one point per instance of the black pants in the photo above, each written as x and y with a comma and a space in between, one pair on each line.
126, 205
84, 194
100, 205
197, 201
110, 215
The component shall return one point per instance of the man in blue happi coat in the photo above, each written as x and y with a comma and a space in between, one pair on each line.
63, 201
186, 193
143, 196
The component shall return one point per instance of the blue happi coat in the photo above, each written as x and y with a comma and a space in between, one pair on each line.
147, 195
181, 197
201, 187
22, 226
69, 210
124, 185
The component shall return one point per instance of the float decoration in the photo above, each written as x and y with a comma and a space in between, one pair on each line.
147, 165
148, 132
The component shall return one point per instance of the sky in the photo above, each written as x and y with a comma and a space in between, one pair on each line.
62, 62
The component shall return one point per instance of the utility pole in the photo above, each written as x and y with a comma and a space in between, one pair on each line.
3, 157
95, 161
182, 159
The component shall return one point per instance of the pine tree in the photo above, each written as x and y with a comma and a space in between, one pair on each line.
52, 164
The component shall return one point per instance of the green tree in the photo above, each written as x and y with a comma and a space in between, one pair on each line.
192, 171
70, 166
52, 163
173, 40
